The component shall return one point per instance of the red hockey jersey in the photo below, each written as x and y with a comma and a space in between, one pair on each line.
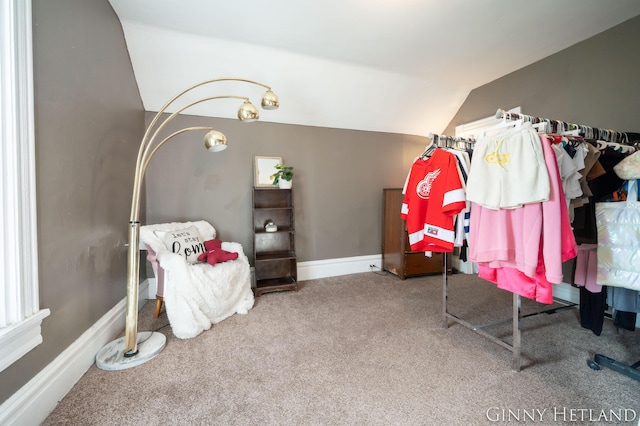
434, 195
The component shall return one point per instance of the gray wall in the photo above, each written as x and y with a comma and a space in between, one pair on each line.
594, 83
88, 119
338, 181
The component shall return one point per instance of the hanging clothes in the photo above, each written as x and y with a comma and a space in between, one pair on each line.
590, 160
462, 219
508, 170
434, 195
604, 186
592, 308
593, 300
522, 249
626, 304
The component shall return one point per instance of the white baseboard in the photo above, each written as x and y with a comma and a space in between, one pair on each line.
566, 292
34, 401
318, 269
334, 267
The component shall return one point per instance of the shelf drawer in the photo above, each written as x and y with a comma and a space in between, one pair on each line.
276, 284
276, 268
419, 264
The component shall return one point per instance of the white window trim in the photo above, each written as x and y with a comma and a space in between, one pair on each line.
20, 313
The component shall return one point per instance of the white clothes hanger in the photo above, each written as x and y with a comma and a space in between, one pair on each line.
503, 125
625, 149
541, 127
575, 132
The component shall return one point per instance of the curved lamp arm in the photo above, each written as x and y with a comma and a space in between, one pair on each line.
269, 100
213, 140
159, 144
147, 148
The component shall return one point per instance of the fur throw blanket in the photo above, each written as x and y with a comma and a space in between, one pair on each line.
199, 295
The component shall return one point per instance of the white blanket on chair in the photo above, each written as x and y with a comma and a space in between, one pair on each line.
199, 295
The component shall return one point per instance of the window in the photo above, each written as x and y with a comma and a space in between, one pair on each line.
20, 313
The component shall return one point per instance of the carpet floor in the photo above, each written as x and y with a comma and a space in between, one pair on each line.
368, 349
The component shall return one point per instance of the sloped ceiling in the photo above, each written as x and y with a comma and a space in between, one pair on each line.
400, 66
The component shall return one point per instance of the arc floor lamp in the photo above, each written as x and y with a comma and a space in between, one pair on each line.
137, 348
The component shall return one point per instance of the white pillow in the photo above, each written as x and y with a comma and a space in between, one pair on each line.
186, 242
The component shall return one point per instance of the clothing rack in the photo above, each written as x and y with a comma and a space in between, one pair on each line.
515, 347
608, 135
557, 126
444, 141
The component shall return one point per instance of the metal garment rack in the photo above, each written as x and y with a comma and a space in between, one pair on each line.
516, 346
444, 141
557, 126
626, 369
629, 370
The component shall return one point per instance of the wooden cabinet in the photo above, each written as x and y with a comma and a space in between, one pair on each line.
274, 252
397, 256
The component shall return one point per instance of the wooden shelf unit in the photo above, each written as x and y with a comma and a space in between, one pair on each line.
274, 253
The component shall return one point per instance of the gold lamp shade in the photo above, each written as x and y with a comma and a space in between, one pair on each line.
248, 112
215, 141
270, 100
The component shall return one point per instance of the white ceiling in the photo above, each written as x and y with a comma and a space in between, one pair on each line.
401, 66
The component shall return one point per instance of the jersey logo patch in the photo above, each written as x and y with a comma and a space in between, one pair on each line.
432, 231
423, 189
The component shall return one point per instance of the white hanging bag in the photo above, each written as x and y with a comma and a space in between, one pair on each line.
618, 225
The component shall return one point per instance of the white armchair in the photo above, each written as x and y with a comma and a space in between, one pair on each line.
196, 295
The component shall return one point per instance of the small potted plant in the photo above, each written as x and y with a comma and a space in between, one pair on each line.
283, 175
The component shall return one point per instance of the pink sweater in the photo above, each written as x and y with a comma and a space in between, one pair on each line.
522, 250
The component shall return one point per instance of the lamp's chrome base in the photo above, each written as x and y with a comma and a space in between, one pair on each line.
111, 356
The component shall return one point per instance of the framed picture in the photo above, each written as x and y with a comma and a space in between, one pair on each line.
263, 168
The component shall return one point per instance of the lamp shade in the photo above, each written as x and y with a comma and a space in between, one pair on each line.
248, 112
270, 100
215, 141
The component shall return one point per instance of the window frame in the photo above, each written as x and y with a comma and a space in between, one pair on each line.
21, 316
